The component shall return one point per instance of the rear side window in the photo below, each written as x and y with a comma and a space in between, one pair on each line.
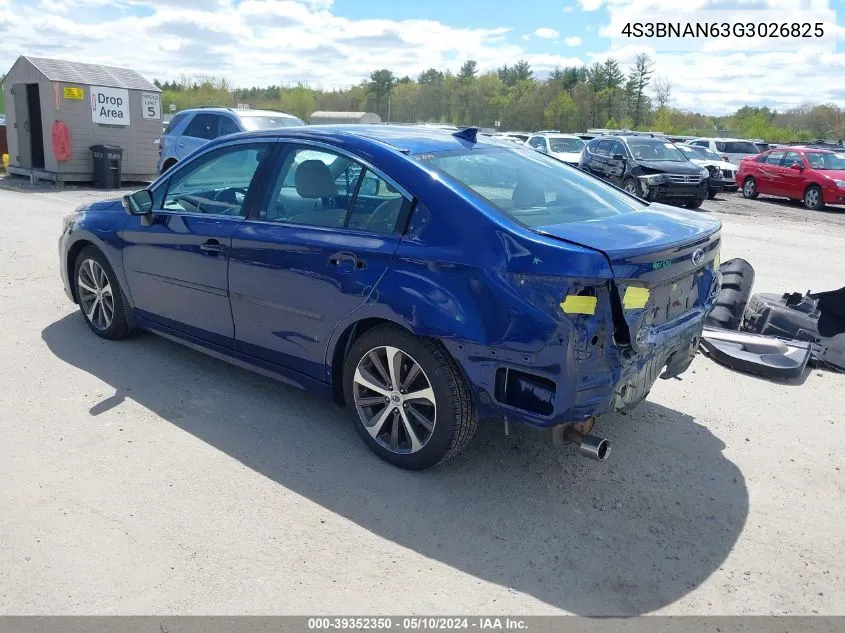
792, 158
203, 125
530, 187
737, 147
603, 148
774, 157
174, 122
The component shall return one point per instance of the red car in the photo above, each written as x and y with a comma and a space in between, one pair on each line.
814, 176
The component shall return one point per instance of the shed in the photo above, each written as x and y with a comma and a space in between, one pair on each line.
322, 117
97, 104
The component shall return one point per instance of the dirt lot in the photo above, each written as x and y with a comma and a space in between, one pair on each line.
140, 477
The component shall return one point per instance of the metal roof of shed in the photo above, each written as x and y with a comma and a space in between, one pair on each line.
90, 74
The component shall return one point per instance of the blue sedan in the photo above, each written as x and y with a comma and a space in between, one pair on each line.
424, 279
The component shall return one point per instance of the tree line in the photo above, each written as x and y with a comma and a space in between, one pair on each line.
512, 97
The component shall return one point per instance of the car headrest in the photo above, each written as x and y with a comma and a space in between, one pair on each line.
526, 196
313, 180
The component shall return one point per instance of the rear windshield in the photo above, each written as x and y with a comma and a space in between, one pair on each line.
819, 160
531, 188
269, 122
737, 147
566, 145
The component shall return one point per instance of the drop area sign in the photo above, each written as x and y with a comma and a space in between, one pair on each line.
110, 106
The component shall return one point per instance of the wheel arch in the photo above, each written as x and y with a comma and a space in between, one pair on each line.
72, 255
342, 344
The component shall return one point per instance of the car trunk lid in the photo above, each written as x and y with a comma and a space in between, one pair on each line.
663, 262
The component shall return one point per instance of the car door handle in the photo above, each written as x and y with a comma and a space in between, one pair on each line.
212, 246
347, 260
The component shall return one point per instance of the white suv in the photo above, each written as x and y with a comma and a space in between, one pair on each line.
564, 147
731, 150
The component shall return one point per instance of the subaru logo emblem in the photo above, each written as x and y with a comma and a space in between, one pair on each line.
696, 256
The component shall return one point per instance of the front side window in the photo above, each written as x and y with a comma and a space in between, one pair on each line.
217, 183
653, 149
228, 126
531, 188
603, 148
203, 125
566, 145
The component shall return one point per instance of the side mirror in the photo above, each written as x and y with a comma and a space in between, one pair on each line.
618, 157
797, 166
138, 203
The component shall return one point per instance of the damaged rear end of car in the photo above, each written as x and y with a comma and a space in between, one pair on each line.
614, 290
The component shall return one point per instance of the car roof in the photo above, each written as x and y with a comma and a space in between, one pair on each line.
559, 135
239, 112
406, 138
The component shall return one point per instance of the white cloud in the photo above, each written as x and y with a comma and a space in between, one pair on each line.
263, 42
567, 9
546, 33
590, 5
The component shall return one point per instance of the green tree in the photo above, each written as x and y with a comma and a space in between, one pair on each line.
561, 113
468, 71
380, 86
638, 80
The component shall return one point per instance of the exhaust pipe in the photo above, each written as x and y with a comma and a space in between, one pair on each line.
592, 446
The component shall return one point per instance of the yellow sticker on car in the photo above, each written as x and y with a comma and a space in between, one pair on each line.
576, 304
635, 297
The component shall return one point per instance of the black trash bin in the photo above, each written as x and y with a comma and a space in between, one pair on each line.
107, 165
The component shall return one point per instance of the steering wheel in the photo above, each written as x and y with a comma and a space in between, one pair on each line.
230, 195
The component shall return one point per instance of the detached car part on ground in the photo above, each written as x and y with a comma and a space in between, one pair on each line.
774, 336
426, 280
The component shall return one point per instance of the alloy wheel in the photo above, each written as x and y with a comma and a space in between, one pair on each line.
748, 188
812, 198
631, 188
95, 294
394, 400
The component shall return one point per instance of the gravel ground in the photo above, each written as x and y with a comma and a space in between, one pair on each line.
140, 477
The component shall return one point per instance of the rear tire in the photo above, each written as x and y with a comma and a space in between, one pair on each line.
749, 188
418, 433
99, 295
813, 200
168, 165
711, 195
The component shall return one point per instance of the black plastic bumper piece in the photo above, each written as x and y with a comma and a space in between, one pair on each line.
755, 354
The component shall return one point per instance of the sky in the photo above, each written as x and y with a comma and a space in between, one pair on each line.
336, 43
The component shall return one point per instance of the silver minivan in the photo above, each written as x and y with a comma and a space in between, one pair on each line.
731, 150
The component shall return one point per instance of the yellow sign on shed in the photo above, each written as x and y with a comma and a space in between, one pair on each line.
74, 93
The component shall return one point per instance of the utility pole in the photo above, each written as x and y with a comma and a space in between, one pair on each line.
388, 107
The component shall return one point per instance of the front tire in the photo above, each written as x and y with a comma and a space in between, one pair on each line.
412, 407
813, 199
749, 188
99, 296
697, 202
632, 186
